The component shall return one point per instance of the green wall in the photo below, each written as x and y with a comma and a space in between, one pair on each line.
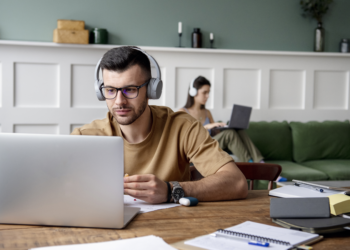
236, 24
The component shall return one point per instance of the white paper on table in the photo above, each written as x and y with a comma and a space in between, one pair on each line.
150, 242
146, 207
291, 191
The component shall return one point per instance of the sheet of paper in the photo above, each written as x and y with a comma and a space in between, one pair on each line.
248, 227
150, 242
347, 215
292, 191
146, 207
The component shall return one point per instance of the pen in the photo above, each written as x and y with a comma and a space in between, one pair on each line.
309, 187
311, 184
322, 186
258, 243
230, 236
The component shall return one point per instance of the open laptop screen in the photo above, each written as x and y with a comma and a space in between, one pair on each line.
240, 117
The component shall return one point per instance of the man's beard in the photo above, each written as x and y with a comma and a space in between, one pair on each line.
135, 115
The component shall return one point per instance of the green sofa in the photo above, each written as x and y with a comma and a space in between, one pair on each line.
310, 151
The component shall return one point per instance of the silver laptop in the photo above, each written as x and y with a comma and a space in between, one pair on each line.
63, 180
240, 118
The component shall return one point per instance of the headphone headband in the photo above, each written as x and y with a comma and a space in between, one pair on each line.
152, 60
155, 85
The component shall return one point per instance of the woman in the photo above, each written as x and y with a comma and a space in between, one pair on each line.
237, 141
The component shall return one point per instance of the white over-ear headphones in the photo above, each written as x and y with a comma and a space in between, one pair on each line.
154, 88
193, 90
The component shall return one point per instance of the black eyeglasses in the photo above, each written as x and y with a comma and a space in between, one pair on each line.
129, 92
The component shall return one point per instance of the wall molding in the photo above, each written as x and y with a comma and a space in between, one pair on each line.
174, 49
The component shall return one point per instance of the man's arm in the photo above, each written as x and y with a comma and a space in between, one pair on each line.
228, 183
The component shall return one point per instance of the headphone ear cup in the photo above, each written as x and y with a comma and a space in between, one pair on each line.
98, 82
193, 91
154, 88
99, 95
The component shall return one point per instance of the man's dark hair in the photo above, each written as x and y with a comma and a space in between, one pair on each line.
122, 58
198, 83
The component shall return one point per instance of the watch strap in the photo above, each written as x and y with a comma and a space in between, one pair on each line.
176, 184
169, 192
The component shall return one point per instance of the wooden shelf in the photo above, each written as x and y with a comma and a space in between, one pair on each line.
175, 49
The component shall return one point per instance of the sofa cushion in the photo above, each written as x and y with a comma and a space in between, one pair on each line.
320, 140
335, 169
262, 185
292, 170
273, 139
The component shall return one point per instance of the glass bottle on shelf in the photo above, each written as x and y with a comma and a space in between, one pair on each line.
196, 38
344, 46
319, 38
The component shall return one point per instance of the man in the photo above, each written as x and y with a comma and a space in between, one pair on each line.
159, 144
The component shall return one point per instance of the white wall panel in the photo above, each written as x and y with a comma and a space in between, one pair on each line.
331, 90
36, 85
36, 128
287, 89
184, 77
0, 84
83, 91
242, 86
49, 88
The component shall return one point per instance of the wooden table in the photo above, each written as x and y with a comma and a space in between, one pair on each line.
173, 224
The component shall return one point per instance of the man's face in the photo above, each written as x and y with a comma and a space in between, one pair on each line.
125, 110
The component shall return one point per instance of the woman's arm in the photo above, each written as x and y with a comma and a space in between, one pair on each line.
211, 120
213, 124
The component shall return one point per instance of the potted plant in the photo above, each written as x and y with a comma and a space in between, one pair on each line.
316, 9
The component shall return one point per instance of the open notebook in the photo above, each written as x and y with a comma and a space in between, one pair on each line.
238, 237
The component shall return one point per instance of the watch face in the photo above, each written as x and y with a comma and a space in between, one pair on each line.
178, 193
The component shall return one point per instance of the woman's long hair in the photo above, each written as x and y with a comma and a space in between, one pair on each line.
199, 82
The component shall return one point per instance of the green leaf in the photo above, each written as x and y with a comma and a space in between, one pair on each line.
315, 9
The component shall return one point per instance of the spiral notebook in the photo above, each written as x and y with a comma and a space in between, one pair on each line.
238, 237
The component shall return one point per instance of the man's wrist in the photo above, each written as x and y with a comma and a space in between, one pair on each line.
169, 187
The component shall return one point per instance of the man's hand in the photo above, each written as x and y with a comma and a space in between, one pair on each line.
146, 187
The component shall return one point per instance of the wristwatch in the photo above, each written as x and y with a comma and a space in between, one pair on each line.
177, 192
